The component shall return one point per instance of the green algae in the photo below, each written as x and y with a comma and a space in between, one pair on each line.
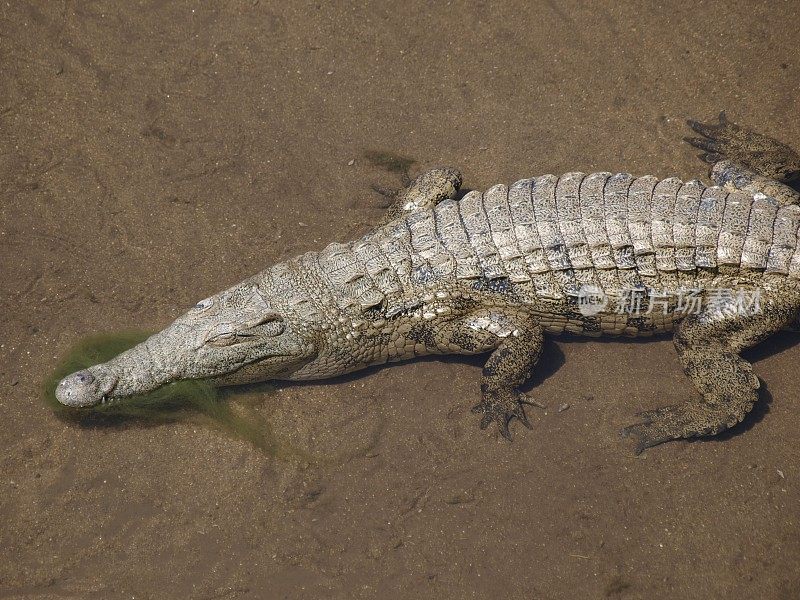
192, 401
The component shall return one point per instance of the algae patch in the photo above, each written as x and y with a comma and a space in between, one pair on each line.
184, 401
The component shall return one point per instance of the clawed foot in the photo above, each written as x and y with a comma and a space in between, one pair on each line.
759, 153
687, 420
657, 426
502, 406
718, 141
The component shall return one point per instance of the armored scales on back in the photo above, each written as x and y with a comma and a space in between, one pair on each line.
493, 272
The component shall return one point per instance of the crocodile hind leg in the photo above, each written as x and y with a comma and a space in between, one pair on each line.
708, 346
515, 340
756, 152
745, 160
731, 177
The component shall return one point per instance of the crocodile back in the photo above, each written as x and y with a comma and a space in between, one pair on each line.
550, 236
611, 230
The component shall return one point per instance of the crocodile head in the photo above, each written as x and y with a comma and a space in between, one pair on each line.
233, 337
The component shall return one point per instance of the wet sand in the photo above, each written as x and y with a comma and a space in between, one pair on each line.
152, 153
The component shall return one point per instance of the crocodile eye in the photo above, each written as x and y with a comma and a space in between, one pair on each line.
223, 339
204, 304
272, 327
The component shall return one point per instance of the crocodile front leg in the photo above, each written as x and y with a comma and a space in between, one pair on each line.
424, 192
708, 346
515, 339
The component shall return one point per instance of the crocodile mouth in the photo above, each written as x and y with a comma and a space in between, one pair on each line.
83, 389
253, 371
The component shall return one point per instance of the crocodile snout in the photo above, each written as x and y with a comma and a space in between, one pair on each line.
84, 388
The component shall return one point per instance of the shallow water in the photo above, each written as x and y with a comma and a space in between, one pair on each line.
179, 402
153, 154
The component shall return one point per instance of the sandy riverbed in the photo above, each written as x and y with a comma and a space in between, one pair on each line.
152, 153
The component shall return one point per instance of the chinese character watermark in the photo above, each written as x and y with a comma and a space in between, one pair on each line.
638, 301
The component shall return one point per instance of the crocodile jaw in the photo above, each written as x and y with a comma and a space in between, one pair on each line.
86, 388
232, 337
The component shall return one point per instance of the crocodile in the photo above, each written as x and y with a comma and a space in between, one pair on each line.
448, 272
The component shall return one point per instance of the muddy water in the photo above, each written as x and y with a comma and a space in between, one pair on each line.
156, 152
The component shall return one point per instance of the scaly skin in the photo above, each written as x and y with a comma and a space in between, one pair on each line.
493, 272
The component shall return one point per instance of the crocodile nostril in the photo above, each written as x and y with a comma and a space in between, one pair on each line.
84, 377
